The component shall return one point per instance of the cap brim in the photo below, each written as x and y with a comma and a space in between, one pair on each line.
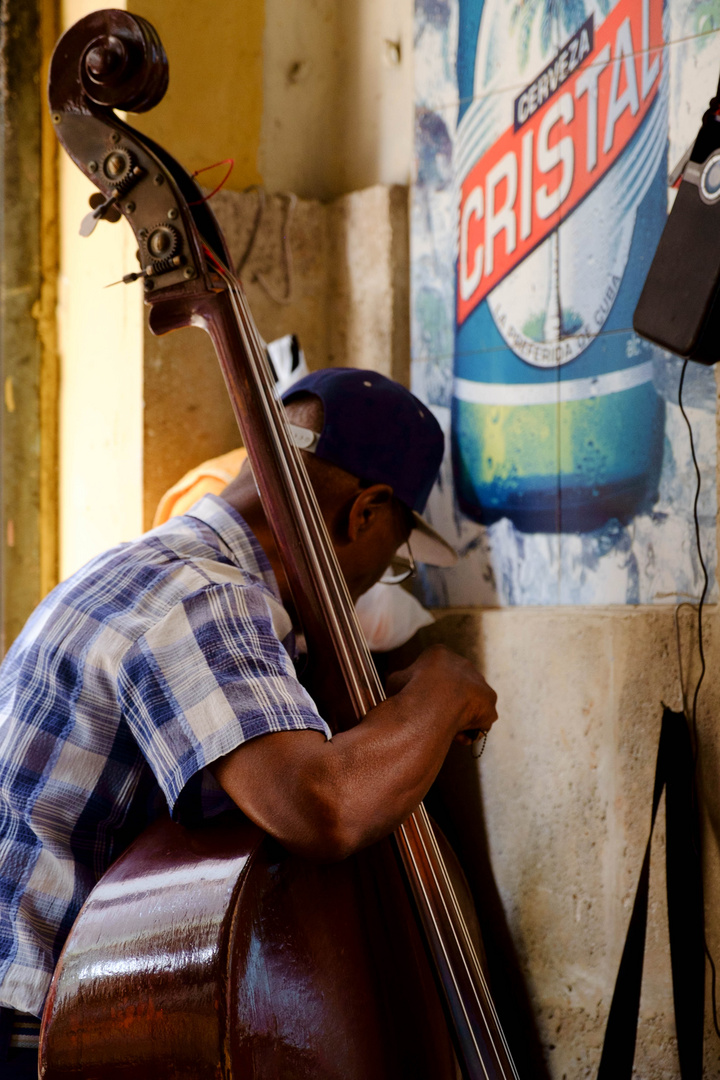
428, 546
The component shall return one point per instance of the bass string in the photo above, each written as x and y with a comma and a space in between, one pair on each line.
448, 963
258, 356
297, 482
489, 1004
321, 555
298, 477
467, 949
422, 839
254, 349
470, 950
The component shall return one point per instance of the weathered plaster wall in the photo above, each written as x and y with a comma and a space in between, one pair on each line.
314, 98
28, 254
321, 107
564, 793
337, 95
213, 110
333, 273
214, 104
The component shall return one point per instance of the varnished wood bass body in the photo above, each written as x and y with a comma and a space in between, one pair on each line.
213, 953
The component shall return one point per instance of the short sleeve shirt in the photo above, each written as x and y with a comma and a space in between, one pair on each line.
153, 661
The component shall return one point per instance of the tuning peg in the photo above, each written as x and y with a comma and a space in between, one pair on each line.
127, 279
101, 208
112, 214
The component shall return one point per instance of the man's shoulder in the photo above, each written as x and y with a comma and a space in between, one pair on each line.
109, 603
170, 561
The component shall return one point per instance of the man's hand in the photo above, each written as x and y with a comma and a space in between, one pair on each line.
326, 799
461, 688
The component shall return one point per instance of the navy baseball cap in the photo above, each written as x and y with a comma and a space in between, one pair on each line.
377, 430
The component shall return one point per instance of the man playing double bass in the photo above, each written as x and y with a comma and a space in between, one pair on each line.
160, 676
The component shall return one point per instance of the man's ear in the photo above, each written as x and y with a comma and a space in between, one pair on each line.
367, 509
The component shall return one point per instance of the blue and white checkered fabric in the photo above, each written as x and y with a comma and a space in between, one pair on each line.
150, 663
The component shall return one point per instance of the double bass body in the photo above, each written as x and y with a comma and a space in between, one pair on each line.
213, 953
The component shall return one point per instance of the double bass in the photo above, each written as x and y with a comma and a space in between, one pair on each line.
212, 952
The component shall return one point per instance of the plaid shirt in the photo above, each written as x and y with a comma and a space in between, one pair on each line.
151, 662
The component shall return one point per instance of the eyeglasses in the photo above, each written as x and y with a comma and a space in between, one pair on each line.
400, 568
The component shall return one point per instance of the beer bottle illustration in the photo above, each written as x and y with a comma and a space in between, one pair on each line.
560, 165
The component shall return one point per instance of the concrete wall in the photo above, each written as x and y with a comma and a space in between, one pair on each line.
337, 95
561, 801
335, 274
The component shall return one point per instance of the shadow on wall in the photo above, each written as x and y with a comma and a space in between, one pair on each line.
456, 803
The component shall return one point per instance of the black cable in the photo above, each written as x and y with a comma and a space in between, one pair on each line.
701, 650
713, 986
701, 561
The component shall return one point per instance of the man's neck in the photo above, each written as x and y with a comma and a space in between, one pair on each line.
243, 496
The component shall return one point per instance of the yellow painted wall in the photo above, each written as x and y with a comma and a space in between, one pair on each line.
100, 345
213, 110
213, 107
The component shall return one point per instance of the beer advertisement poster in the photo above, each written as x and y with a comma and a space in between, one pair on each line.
546, 131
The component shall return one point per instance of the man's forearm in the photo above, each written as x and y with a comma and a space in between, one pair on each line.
335, 797
327, 799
